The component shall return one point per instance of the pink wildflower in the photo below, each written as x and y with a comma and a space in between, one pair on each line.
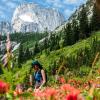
4, 87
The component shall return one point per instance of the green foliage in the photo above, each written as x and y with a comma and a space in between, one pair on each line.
83, 19
21, 55
36, 48
95, 20
68, 35
75, 30
79, 54
16, 75
84, 71
97, 94
1, 71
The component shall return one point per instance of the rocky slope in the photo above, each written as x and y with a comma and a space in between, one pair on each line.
5, 27
88, 5
32, 18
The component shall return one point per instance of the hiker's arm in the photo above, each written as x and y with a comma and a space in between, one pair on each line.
30, 80
44, 78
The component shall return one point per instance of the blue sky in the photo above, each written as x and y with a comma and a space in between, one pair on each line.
66, 7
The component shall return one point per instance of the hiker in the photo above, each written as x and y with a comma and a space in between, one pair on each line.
39, 76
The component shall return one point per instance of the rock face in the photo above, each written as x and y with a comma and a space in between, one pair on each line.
33, 18
5, 27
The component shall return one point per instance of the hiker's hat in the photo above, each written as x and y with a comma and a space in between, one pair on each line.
36, 63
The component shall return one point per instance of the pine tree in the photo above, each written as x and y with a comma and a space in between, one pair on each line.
95, 20
64, 37
27, 54
36, 48
68, 35
75, 30
45, 45
83, 20
57, 45
52, 42
21, 56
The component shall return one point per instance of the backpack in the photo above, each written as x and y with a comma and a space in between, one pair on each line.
45, 75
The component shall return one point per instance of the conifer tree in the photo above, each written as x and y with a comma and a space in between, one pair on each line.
69, 33
95, 20
21, 55
52, 41
45, 44
75, 30
36, 48
83, 23
57, 45
27, 54
65, 37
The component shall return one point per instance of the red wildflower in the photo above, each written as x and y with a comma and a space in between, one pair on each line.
4, 87
50, 92
71, 97
67, 87
62, 80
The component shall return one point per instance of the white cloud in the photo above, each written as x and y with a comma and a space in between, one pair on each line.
70, 1
11, 4
4, 0
2, 14
2, 8
55, 3
74, 2
68, 12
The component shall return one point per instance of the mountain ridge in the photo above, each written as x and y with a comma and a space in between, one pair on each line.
89, 6
32, 17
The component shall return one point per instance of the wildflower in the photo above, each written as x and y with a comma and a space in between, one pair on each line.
18, 90
71, 97
50, 92
8, 45
62, 80
66, 87
4, 87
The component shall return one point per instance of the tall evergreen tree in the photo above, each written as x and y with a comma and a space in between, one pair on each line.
83, 21
27, 54
65, 36
68, 35
20, 56
95, 20
36, 48
57, 45
45, 45
52, 41
75, 30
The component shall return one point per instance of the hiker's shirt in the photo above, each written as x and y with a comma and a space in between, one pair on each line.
38, 79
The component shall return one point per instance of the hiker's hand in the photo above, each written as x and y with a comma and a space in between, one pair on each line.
36, 90
29, 90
